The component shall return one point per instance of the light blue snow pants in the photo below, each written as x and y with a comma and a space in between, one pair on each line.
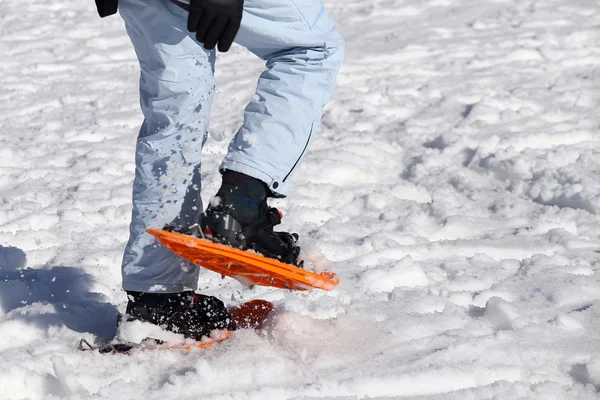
303, 52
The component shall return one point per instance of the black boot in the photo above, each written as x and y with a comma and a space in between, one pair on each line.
193, 315
240, 217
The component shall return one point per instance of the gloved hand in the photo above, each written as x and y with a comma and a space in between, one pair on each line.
214, 21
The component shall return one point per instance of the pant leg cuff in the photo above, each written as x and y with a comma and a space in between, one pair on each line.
159, 287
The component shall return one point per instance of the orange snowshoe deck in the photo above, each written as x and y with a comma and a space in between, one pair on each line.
248, 268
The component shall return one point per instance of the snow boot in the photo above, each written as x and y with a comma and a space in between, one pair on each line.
239, 216
190, 314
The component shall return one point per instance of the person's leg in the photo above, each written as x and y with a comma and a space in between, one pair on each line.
303, 51
176, 91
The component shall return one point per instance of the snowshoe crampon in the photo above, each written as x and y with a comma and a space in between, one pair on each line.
247, 267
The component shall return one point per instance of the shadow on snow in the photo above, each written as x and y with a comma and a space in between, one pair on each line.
68, 289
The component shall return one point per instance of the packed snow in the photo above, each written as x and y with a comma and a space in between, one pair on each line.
454, 187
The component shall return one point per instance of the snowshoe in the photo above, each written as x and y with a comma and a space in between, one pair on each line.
250, 315
236, 238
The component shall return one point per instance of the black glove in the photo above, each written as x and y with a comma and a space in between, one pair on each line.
214, 21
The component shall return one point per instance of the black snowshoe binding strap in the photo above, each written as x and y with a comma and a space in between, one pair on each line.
269, 220
260, 236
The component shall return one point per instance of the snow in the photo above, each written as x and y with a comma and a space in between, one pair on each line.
453, 187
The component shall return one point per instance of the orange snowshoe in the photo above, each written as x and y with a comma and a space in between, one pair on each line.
249, 268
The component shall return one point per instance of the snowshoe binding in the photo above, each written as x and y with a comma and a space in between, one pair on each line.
239, 216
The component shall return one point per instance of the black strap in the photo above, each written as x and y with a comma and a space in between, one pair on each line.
107, 7
270, 219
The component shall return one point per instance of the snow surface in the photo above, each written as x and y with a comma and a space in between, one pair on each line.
454, 186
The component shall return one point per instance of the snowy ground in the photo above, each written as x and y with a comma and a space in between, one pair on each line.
454, 186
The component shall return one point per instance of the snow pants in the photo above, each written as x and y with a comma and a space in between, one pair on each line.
303, 52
